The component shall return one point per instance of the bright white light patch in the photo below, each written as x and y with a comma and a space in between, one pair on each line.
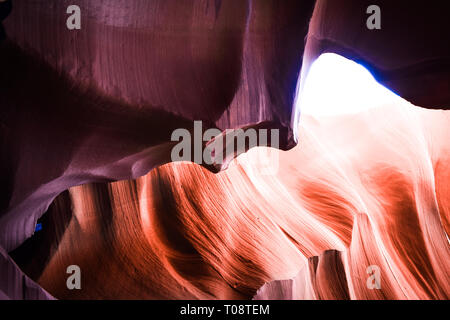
336, 85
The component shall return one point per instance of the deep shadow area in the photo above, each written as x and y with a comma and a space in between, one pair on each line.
33, 255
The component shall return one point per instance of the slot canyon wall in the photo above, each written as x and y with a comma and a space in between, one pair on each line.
85, 137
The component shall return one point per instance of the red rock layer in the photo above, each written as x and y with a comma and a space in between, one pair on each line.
100, 103
359, 190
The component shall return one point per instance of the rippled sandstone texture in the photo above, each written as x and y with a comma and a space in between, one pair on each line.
99, 104
182, 232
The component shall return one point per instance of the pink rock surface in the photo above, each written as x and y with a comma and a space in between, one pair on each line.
99, 104
183, 232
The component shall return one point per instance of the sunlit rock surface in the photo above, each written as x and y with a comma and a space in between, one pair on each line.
99, 104
359, 190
